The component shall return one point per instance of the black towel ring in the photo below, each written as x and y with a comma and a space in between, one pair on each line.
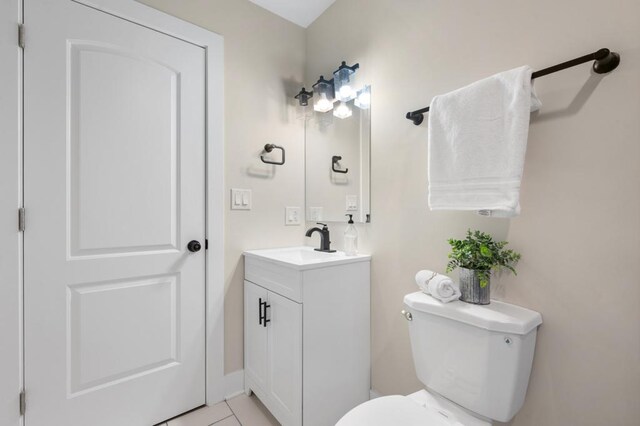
270, 147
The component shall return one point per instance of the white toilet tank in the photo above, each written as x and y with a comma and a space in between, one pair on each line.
478, 356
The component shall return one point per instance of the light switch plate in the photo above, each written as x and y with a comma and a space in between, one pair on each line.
292, 216
352, 203
240, 199
315, 214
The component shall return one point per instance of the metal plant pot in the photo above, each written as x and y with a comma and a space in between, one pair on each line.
470, 288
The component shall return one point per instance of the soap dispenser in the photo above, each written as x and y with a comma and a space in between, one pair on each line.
350, 238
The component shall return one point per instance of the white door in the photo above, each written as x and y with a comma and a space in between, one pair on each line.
255, 334
114, 191
285, 358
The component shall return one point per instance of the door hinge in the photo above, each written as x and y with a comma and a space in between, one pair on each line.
21, 219
23, 402
206, 244
21, 35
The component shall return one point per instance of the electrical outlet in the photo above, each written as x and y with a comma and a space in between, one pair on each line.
315, 214
240, 199
352, 203
291, 216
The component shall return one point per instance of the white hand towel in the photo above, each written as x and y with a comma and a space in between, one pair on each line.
437, 285
477, 143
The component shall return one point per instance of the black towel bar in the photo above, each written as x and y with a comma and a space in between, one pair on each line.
605, 61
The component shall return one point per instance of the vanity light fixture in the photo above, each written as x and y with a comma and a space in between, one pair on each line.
303, 97
340, 88
343, 111
324, 97
363, 100
343, 82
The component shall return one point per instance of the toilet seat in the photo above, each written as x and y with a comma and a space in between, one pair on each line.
395, 410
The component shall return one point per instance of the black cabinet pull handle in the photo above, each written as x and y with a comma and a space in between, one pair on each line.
265, 314
260, 317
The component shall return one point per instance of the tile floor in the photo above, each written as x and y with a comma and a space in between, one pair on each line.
241, 410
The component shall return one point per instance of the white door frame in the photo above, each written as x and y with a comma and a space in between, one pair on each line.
213, 45
10, 200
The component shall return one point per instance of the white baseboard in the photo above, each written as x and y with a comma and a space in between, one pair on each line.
233, 384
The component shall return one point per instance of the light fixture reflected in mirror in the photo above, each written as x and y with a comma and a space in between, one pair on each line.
343, 110
343, 82
363, 100
324, 98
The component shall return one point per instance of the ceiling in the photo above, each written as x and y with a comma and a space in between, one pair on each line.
301, 12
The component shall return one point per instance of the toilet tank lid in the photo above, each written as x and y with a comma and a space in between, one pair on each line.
496, 316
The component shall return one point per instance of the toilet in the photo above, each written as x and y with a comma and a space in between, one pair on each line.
474, 361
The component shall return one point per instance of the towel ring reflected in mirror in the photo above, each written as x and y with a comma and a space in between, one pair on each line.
334, 161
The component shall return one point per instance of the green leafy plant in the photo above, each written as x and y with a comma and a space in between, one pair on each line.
480, 252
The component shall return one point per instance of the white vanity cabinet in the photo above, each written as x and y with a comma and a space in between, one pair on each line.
273, 351
306, 333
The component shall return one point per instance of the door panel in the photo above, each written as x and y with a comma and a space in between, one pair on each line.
285, 357
114, 190
95, 347
255, 340
123, 105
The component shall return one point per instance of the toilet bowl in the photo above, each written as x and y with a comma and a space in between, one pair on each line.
474, 360
422, 408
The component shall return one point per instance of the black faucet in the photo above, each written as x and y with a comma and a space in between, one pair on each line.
325, 242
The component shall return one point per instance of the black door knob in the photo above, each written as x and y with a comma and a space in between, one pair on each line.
194, 246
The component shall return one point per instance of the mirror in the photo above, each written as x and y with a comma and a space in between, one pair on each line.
337, 166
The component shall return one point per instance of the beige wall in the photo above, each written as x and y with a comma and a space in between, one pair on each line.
579, 231
264, 64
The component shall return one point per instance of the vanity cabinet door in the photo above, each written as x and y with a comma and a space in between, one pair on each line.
255, 334
285, 358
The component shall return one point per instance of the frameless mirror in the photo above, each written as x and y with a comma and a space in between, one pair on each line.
337, 164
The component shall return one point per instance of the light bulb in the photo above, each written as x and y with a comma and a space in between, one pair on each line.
343, 81
363, 101
345, 93
342, 111
323, 104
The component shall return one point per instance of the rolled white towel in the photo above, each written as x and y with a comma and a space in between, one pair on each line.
444, 289
437, 285
422, 279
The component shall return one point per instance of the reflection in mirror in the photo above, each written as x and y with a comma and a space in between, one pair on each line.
337, 159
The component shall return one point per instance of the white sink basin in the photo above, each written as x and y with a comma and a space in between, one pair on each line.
305, 257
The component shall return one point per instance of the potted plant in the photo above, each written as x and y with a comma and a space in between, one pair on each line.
476, 256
